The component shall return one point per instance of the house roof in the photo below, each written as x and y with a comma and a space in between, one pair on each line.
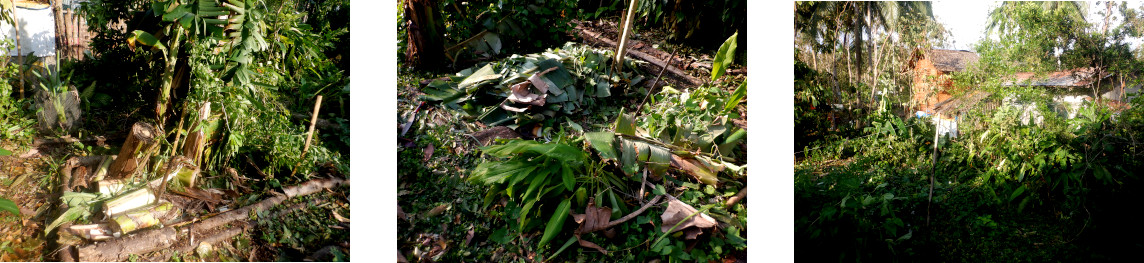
951, 60
1066, 78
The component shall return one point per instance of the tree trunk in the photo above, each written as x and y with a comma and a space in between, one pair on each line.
136, 151
171, 59
196, 139
426, 48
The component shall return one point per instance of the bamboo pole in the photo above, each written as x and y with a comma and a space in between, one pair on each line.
622, 48
313, 120
16, 26
309, 134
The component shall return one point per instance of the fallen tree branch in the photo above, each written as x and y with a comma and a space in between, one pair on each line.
155, 239
634, 214
597, 37
735, 199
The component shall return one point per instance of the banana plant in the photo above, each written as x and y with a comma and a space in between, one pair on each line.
7, 12
234, 23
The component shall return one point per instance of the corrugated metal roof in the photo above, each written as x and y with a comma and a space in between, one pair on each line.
1077, 77
951, 60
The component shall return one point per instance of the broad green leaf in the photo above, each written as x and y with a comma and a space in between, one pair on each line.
484, 74
603, 89
8, 205
603, 143
490, 195
556, 222
867, 200
659, 161
442, 91
524, 214
659, 190
561, 152
724, 57
176, 13
581, 196
525, 174
736, 97
574, 125
569, 179
628, 157
501, 236
73, 213
145, 38
1017, 193
643, 150
512, 148
731, 142
625, 124
498, 172
4, 152
533, 185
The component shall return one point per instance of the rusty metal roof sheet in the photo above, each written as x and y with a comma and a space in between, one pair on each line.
951, 60
1077, 77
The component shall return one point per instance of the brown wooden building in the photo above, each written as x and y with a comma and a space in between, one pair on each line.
931, 68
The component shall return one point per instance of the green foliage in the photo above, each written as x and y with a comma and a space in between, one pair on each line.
534, 172
14, 121
724, 57
695, 120
994, 179
573, 77
702, 22
79, 206
556, 223
522, 25
8, 205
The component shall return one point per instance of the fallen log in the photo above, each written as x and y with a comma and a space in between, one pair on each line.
155, 239
679, 74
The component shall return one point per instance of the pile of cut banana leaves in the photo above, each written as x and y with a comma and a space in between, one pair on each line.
523, 89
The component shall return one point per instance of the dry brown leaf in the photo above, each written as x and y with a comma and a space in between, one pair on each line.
678, 211
539, 83
343, 219
428, 153
401, 214
521, 94
694, 169
594, 218
438, 210
469, 238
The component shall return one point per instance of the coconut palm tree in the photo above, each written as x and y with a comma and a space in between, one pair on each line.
854, 28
